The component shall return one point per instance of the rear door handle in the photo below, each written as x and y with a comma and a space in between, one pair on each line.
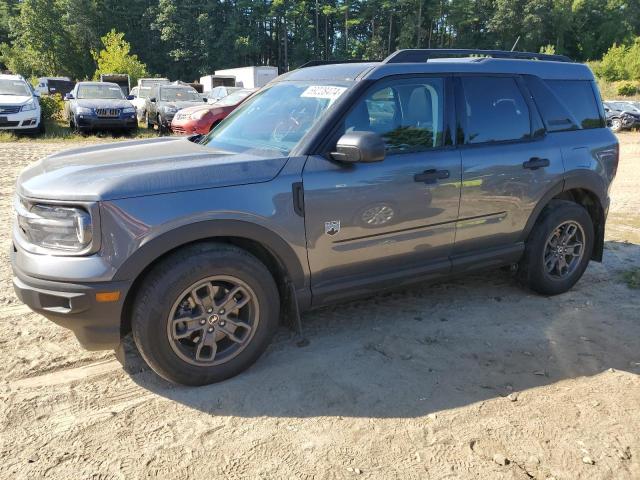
536, 163
431, 176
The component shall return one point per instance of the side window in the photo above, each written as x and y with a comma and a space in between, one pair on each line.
578, 97
407, 113
555, 115
494, 110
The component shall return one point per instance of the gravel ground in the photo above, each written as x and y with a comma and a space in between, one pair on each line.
473, 378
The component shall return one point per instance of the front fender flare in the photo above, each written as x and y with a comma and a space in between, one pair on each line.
210, 229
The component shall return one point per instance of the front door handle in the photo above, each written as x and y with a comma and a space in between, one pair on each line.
431, 176
536, 163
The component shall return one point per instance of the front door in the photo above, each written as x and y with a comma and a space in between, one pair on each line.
371, 225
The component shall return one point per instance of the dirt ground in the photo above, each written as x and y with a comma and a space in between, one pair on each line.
474, 378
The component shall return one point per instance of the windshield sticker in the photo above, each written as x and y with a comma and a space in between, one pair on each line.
323, 91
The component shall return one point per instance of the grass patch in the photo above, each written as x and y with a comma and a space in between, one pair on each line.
57, 131
632, 277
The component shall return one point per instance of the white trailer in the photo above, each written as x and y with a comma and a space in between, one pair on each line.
210, 82
250, 77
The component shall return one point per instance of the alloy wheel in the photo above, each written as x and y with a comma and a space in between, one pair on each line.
213, 320
564, 250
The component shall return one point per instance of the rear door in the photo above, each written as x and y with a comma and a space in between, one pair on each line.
508, 164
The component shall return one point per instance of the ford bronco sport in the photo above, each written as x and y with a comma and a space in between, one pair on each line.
333, 181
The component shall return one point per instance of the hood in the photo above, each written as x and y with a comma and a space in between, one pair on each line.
141, 167
14, 99
198, 108
181, 105
102, 103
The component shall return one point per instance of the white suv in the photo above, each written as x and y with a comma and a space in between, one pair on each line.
19, 106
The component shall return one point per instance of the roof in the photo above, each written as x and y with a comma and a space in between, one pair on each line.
10, 76
549, 67
99, 83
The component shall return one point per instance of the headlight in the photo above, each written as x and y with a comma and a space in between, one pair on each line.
128, 110
199, 115
30, 105
170, 108
84, 110
55, 227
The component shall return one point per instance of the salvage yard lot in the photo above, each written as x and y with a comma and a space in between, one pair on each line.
472, 378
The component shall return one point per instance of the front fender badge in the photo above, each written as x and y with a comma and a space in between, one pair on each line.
332, 227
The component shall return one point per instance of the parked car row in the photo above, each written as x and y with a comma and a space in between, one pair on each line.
622, 115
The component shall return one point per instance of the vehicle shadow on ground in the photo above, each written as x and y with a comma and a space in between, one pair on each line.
432, 347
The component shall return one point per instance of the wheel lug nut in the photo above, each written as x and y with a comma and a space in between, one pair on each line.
210, 329
222, 323
222, 311
209, 310
203, 321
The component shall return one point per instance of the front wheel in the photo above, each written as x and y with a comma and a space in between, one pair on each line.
559, 248
205, 314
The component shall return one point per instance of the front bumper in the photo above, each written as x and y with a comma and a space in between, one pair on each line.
20, 121
98, 123
97, 325
189, 126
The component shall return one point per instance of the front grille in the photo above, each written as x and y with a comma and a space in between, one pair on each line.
178, 129
9, 109
108, 112
9, 124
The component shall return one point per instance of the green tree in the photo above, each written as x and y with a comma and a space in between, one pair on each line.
115, 57
35, 50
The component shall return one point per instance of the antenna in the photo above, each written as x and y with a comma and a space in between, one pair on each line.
514, 45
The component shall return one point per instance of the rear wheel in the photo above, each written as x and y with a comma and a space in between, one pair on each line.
204, 314
559, 248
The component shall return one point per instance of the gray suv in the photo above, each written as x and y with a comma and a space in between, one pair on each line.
334, 181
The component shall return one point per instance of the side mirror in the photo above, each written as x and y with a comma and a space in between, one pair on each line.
205, 99
364, 147
152, 99
130, 97
68, 96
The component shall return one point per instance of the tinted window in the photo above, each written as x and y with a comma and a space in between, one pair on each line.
578, 97
407, 113
495, 110
554, 113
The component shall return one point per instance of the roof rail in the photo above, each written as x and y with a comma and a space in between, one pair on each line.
418, 55
315, 63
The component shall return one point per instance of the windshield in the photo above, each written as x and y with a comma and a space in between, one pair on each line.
233, 98
14, 87
275, 118
179, 95
111, 92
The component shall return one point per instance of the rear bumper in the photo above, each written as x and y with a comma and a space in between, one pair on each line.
97, 325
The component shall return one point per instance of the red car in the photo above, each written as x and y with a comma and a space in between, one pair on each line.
202, 118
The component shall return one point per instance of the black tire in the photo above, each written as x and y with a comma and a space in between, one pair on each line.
532, 269
163, 288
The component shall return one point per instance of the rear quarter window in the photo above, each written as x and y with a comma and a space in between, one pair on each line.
578, 98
